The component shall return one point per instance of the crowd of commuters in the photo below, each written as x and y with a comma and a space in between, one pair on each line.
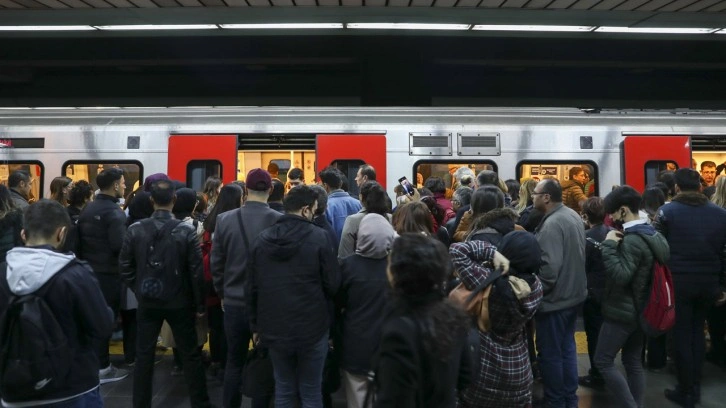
320, 279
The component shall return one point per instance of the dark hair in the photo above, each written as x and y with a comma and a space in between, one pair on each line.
278, 191
669, 179
163, 192
425, 192
331, 177
273, 168
662, 187
6, 202
464, 195
487, 177
707, 163
201, 203
343, 180
575, 171
210, 188
230, 198
374, 198
622, 196
653, 199
435, 209
486, 199
513, 188
368, 171
80, 193
56, 189
295, 174
322, 198
42, 219
139, 207
299, 198
553, 188
16, 177
413, 217
106, 178
186, 200
688, 179
594, 208
419, 266
435, 184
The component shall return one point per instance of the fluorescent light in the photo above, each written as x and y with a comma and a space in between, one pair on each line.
408, 26
48, 28
98, 107
282, 26
158, 27
655, 30
553, 28
721, 31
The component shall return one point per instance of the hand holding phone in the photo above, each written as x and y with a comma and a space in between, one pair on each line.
407, 186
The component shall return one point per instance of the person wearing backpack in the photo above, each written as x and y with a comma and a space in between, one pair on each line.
39, 282
161, 261
628, 258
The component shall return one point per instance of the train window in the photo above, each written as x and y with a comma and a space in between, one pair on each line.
584, 173
350, 169
446, 169
34, 168
199, 170
653, 168
88, 170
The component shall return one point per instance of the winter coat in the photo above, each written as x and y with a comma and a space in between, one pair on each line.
629, 270
102, 226
292, 275
572, 194
530, 218
448, 207
493, 225
18, 200
10, 226
133, 257
77, 304
594, 266
340, 206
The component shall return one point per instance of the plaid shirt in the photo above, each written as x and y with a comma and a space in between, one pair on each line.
505, 375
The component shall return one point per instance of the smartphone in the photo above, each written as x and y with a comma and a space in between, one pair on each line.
407, 186
597, 244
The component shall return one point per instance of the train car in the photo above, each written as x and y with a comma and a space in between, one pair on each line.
192, 143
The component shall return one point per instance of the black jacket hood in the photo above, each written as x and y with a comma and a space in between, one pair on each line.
692, 198
285, 238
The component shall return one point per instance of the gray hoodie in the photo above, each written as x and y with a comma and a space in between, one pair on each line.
375, 237
31, 268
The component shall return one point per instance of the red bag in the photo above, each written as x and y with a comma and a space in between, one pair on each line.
659, 313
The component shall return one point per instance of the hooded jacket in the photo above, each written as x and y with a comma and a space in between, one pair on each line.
77, 303
493, 225
10, 226
629, 270
363, 293
102, 226
572, 193
292, 274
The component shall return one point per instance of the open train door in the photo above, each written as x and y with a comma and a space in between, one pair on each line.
645, 156
193, 158
349, 152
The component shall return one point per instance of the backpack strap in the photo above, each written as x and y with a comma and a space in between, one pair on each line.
496, 274
244, 233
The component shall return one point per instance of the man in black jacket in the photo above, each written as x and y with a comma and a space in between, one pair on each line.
694, 228
73, 296
179, 309
293, 273
102, 225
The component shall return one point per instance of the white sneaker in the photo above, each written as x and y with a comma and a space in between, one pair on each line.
112, 374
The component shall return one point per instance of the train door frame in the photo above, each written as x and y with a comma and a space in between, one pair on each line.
368, 148
185, 148
637, 150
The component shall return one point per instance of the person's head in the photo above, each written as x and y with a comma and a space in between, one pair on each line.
485, 199
149, 180
201, 206
230, 198
212, 187
687, 180
523, 252
694, 164
111, 182
45, 223
653, 199
365, 173
330, 177
80, 194
465, 176
669, 179
322, 199
546, 195
259, 185
419, 179
719, 196
623, 204
163, 195
278, 192
461, 197
139, 207
373, 198
487, 177
20, 181
301, 201
417, 265
59, 189
578, 174
413, 217
525, 193
436, 185
375, 236
295, 177
708, 172
6, 202
273, 169
593, 211
663, 188
512, 188
343, 180
186, 200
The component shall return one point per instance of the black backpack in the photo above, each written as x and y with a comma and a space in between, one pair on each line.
160, 279
35, 356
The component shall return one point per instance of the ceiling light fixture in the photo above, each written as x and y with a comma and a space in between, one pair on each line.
548, 28
158, 27
655, 30
282, 26
407, 26
48, 28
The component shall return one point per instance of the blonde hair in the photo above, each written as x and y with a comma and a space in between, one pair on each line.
719, 197
525, 193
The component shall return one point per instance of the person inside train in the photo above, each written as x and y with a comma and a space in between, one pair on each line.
59, 188
211, 189
463, 216
437, 187
573, 189
274, 170
373, 198
490, 219
20, 184
669, 179
529, 217
340, 204
365, 173
11, 223
278, 193
708, 172
295, 177
461, 198
513, 191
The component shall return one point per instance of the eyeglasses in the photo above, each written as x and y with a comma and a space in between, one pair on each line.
536, 193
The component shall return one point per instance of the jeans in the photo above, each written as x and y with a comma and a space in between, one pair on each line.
128, 323
238, 333
182, 323
558, 357
110, 285
613, 338
299, 371
592, 317
91, 399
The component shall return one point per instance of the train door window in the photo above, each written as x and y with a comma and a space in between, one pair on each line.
278, 169
654, 167
88, 170
199, 170
425, 169
350, 169
584, 173
34, 168
285, 160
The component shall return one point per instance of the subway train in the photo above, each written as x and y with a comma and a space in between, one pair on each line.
192, 143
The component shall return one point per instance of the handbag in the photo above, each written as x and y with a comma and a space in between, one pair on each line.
258, 379
476, 302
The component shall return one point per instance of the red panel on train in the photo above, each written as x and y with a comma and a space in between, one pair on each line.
639, 150
185, 148
371, 149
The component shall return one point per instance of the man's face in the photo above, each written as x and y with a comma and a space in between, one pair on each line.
540, 199
360, 179
25, 187
709, 174
295, 182
580, 177
121, 187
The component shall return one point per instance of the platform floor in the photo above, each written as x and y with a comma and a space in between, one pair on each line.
171, 392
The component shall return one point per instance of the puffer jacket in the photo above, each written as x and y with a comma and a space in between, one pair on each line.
628, 272
10, 226
102, 226
493, 225
572, 193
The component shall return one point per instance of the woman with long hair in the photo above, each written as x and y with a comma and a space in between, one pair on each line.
59, 189
529, 217
212, 189
11, 223
413, 217
229, 198
423, 359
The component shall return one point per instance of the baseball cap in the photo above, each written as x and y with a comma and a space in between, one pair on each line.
258, 180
